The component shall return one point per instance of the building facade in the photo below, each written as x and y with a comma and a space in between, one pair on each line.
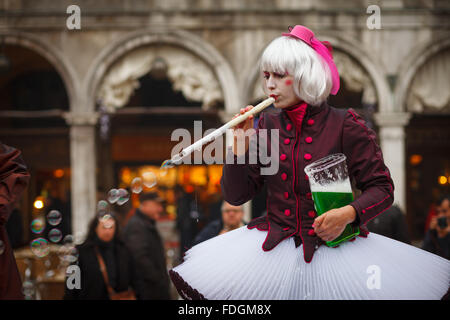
393, 73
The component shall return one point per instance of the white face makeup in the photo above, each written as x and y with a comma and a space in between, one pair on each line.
280, 87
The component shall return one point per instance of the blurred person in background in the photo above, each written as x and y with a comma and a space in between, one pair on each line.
14, 178
392, 224
215, 204
431, 213
231, 219
146, 246
437, 238
189, 213
436, 195
103, 239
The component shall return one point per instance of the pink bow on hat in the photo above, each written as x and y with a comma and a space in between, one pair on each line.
323, 48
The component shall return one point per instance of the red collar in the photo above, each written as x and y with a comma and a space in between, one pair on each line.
296, 113
295, 107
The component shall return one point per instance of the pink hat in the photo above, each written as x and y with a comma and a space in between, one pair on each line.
323, 48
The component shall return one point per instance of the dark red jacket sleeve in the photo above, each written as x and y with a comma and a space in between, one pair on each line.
366, 166
13, 179
241, 181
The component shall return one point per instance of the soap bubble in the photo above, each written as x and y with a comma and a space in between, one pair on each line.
167, 164
79, 237
68, 240
62, 251
149, 179
40, 247
28, 289
123, 197
113, 195
37, 225
71, 255
55, 235
107, 221
68, 254
136, 185
102, 207
54, 217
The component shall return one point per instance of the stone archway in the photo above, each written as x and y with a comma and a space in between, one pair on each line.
85, 117
422, 92
51, 54
176, 38
411, 65
394, 134
187, 73
60, 65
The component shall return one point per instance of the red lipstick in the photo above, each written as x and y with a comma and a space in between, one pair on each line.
274, 96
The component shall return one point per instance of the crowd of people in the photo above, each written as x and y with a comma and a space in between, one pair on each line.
134, 258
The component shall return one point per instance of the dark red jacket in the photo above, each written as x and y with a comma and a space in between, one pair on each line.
318, 132
13, 180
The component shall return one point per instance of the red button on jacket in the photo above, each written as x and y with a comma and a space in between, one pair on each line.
309, 196
308, 140
283, 157
311, 233
311, 213
287, 141
287, 212
307, 156
286, 195
310, 122
284, 176
289, 127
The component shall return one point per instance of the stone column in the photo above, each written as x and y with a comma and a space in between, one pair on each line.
83, 170
392, 141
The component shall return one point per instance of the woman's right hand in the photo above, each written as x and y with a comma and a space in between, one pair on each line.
240, 130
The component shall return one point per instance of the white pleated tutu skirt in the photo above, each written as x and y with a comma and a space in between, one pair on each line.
234, 266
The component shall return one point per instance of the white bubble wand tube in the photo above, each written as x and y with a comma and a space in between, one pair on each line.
176, 159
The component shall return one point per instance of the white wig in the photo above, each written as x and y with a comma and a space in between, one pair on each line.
312, 76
